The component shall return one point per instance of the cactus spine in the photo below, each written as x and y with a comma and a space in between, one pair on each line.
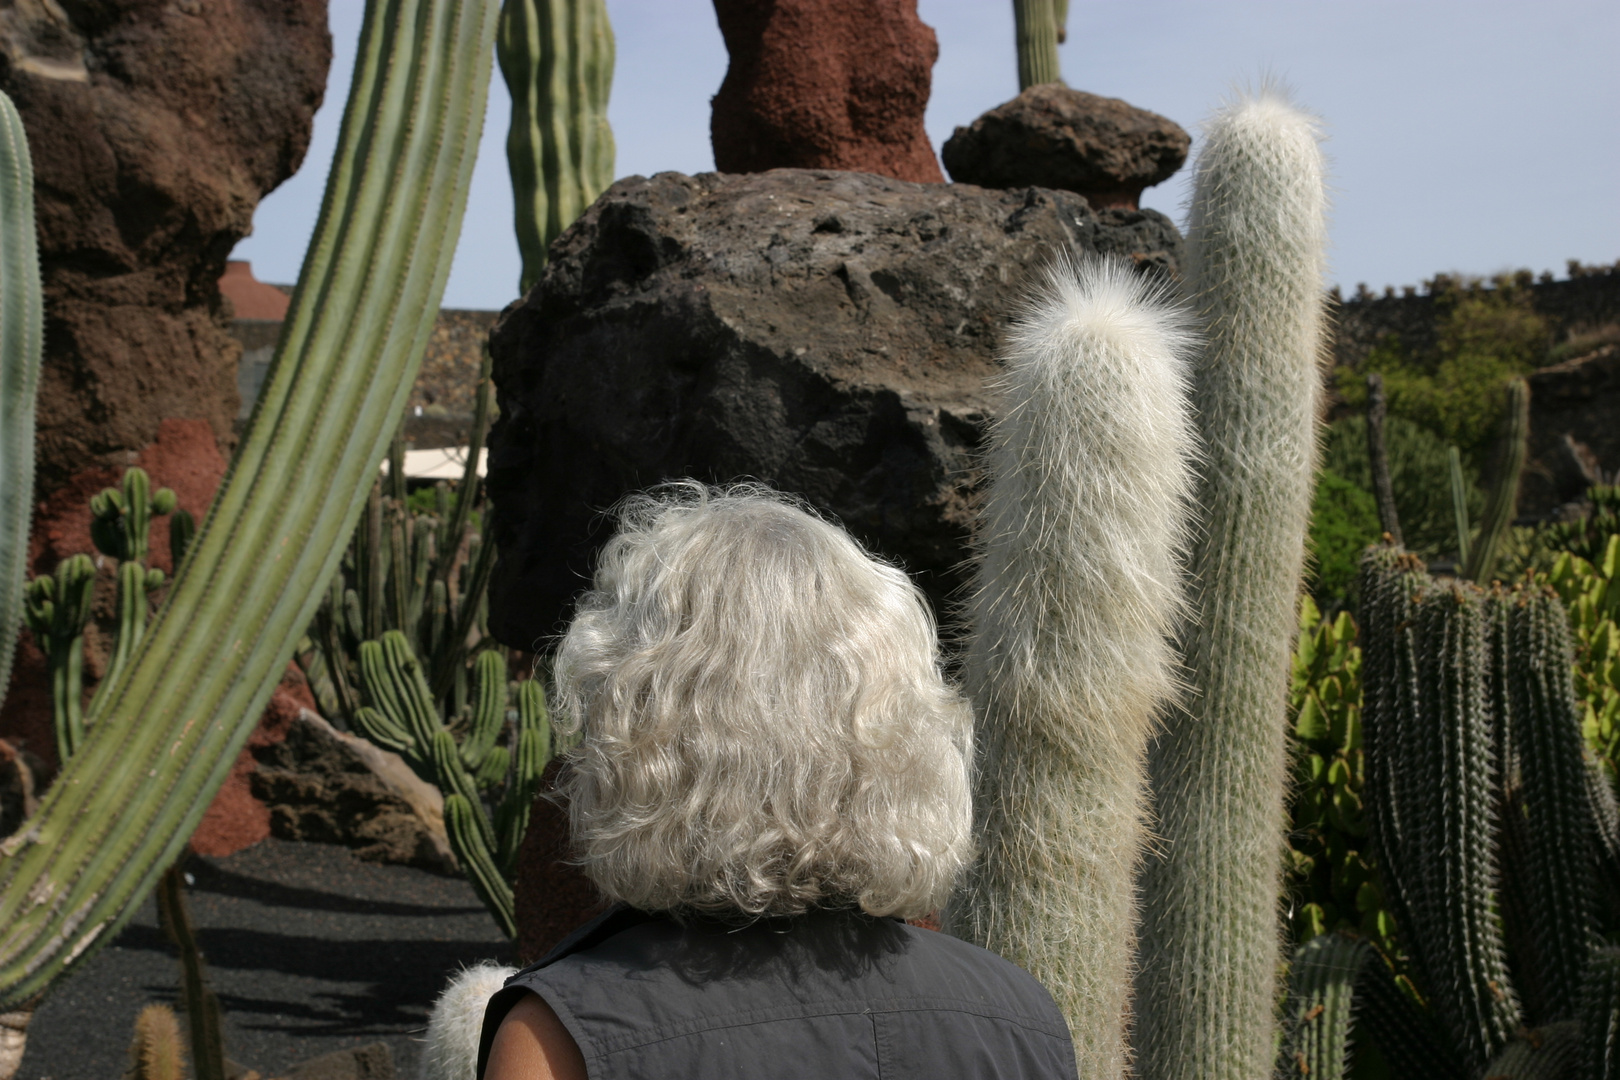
155, 1052
1209, 954
1600, 1016
557, 58
450, 1050
360, 319
1076, 592
21, 340
1321, 981
1038, 26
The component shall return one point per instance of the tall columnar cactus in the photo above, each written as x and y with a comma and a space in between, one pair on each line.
1069, 664
1600, 1016
21, 339
1321, 985
1038, 26
1256, 245
557, 57
120, 523
1432, 784
165, 733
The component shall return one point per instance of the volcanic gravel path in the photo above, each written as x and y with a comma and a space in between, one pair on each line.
309, 950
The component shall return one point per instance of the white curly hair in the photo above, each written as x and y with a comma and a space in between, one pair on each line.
764, 725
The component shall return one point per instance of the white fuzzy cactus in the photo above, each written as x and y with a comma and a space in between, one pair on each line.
1077, 590
457, 1020
1256, 240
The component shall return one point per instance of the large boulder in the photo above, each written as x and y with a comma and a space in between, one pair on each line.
828, 332
825, 84
1051, 136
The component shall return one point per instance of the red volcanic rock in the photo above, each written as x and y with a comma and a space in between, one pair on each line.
553, 895
155, 128
825, 84
235, 819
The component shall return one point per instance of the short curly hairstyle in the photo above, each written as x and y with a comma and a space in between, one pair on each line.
764, 725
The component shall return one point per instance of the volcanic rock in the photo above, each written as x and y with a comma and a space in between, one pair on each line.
553, 896
330, 787
1051, 136
1574, 431
825, 84
827, 332
155, 128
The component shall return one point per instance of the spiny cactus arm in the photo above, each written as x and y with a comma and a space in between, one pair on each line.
462, 824
156, 1051
203, 1022
1256, 244
1459, 502
1512, 450
377, 727
1556, 809
489, 707
557, 58
57, 609
1037, 28
451, 660
359, 322
456, 522
1405, 1035
394, 682
1321, 984
1600, 1016
453, 779
492, 770
1077, 590
21, 342
1550, 1052
534, 748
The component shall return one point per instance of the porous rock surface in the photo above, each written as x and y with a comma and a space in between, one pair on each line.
155, 128
828, 332
1051, 136
825, 84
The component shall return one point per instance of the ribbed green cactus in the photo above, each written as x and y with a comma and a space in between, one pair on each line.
120, 526
58, 609
1076, 591
1512, 450
1316, 1016
203, 1022
557, 57
1256, 243
1389, 1017
1600, 1016
164, 736
1429, 731
1038, 28
402, 714
21, 341
1546, 813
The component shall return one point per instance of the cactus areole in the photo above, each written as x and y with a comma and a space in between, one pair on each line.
162, 739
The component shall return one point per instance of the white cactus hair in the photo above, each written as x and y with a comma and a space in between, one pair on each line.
457, 1020
1256, 252
1076, 593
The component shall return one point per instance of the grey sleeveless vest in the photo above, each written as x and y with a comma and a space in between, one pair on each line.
831, 994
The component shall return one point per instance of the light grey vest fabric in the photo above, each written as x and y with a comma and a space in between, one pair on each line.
828, 994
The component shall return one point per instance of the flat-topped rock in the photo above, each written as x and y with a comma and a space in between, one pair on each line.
828, 332
1051, 136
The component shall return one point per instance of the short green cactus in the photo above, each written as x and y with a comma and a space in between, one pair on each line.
1321, 984
58, 609
557, 57
21, 344
1038, 27
120, 527
156, 1052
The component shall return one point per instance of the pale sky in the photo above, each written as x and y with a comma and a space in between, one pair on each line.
1463, 137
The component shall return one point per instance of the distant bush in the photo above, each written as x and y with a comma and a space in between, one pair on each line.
1344, 519
1420, 473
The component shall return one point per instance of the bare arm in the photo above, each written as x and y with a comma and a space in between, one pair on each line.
532, 1044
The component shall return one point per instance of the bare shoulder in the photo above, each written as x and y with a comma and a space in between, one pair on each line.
532, 1044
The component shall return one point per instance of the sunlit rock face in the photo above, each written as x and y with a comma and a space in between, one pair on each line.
155, 129
828, 332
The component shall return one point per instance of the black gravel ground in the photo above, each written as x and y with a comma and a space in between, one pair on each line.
309, 950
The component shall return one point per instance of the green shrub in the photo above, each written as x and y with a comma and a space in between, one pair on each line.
1420, 473
1344, 520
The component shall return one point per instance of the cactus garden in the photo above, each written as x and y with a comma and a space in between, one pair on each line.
1289, 615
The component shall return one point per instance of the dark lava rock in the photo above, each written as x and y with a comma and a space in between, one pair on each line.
553, 896
825, 84
1051, 136
1574, 431
155, 128
827, 332
329, 787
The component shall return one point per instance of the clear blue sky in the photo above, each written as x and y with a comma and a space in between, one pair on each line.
1464, 137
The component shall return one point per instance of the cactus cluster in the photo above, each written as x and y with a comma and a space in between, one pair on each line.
21, 344
557, 58
1482, 812
392, 635
158, 746
1332, 883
